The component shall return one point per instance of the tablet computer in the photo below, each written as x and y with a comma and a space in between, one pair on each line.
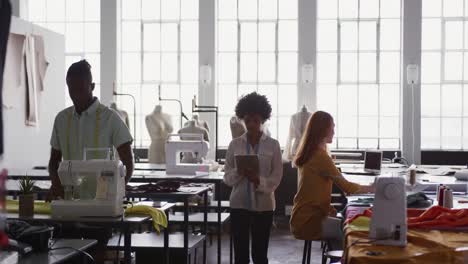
244, 162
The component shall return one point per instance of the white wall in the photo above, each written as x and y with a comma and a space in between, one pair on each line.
25, 146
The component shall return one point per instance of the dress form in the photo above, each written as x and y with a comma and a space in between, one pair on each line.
159, 127
192, 128
122, 113
296, 129
237, 127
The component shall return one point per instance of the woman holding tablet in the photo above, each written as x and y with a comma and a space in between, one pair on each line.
312, 215
252, 197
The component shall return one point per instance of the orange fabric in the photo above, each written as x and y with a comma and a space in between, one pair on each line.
313, 199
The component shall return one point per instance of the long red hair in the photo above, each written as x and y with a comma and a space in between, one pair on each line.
317, 129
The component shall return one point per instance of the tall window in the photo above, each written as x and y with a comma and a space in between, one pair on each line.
358, 71
79, 21
159, 46
444, 75
257, 51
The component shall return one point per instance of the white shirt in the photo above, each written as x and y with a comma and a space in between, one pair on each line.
271, 171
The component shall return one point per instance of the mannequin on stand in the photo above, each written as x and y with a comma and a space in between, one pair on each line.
296, 129
192, 128
122, 113
159, 127
199, 123
237, 127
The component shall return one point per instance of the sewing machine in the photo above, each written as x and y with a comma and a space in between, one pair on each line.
92, 188
196, 144
388, 223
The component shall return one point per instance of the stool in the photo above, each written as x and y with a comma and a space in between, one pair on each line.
333, 255
308, 248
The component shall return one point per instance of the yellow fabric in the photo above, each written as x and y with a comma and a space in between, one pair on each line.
313, 199
423, 247
361, 223
40, 207
159, 217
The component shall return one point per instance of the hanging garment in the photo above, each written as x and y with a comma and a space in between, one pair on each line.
29, 80
296, 129
5, 19
159, 127
41, 62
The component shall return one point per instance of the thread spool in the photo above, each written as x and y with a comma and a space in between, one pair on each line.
438, 192
412, 178
440, 201
448, 198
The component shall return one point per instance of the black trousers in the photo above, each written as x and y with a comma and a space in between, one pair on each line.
246, 223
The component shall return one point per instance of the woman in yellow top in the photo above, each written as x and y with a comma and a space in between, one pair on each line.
312, 215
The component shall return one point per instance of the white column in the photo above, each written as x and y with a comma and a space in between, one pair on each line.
307, 35
108, 48
19, 8
207, 56
411, 107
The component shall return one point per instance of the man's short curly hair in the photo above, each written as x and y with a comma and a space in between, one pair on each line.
253, 103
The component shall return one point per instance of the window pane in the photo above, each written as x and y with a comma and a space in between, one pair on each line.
131, 9
287, 100
266, 67
367, 67
169, 67
390, 67
349, 34
287, 67
151, 67
430, 35
348, 70
248, 37
268, 9
327, 8
150, 9
326, 35
131, 36
430, 100
55, 10
348, 8
151, 37
37, 10
224, 134
248, 67
430, 133
95, 61
92, 10
131, 68
368, 127
74, 10
451, 100
430, 67
92, 37
245, 89
288, 9
326, 67
389, 100
451, 133
283, 125
227, 36
170, 9
189, 9
247, 9
369, 8
389, 127
465, 101
390, 9
368, 100
431, 8
58, 27
227, 9
368, 35
189, 67
227, 99
169, 41
287, 39
453, 8
347, 126
389, 34
453, 66
327, 98
270, 91
189, 36
266, 37
347, 143
366, 143
227, 68
465, 133
74, 37
453, 35
347, 106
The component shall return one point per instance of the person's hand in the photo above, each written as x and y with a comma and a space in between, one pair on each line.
252, 176
55, 193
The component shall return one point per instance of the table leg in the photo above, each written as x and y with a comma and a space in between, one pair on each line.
218, 189
127, 245
186, 229
166, 242
205, 226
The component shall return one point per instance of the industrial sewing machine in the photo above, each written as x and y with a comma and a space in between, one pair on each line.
388, 223
92, 188
186, 143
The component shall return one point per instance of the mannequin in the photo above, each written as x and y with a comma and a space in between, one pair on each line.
296, 128
122, 113
192, 128
199, 123
237, 127
159, 127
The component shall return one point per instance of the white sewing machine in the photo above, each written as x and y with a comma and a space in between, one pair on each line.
92, 188
174, 147
388, 223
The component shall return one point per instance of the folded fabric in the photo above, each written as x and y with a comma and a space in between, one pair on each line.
159, 217
40, 207
360, 223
